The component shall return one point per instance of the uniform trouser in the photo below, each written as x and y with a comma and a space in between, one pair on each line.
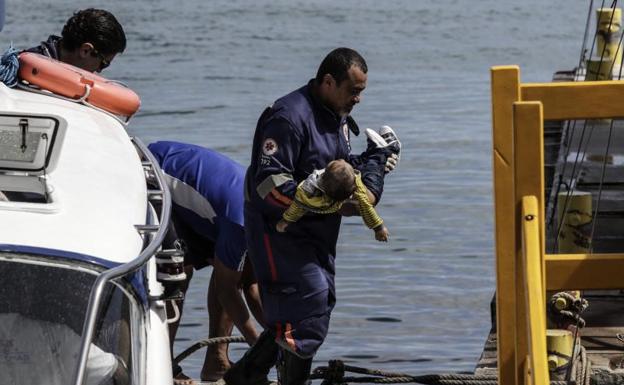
296, 284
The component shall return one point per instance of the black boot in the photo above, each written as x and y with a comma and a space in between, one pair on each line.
294, 370
254, 366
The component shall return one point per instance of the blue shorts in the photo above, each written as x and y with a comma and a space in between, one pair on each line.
229, 247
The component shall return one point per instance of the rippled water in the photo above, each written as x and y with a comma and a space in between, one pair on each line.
206, 69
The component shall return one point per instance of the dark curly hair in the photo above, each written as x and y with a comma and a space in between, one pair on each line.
95, 26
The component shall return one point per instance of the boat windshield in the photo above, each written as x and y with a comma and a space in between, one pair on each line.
42, 308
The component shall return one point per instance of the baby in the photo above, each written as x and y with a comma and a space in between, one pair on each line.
324, 192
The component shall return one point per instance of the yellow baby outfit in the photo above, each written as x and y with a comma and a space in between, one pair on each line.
311, 198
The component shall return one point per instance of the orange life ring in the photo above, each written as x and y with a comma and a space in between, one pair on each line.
74, 83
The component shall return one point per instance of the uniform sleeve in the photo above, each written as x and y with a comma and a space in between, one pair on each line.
273, 181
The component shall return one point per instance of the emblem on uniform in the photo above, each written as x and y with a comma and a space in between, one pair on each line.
269, 147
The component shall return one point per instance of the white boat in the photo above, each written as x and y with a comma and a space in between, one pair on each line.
79, 298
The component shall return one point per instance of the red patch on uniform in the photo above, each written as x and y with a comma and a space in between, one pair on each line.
269, 147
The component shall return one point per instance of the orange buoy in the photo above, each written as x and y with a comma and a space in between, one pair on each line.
74, 83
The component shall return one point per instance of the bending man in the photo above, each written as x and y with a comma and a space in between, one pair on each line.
207, 193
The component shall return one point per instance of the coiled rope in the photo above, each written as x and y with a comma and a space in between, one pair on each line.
334, 374
570, 314
211, 341
9, 64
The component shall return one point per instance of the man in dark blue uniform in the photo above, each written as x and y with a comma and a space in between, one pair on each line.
301, 132
207, 195
90, 40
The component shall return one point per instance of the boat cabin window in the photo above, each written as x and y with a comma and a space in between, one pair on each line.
27, 145
43, 303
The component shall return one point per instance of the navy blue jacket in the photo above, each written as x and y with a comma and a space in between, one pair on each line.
295, 136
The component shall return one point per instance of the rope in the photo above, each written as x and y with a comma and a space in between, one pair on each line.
333, 374
9, 66
211, 341
569, 315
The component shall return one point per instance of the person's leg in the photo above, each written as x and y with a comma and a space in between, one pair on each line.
254, 366
250, 287
294, 370
230, 250
381, 157
216, 361
231, 299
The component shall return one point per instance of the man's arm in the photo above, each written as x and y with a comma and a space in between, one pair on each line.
273, 181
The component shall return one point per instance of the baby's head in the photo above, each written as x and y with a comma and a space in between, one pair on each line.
338, 180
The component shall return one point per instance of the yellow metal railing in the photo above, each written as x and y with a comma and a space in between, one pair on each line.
518, 113
537, 361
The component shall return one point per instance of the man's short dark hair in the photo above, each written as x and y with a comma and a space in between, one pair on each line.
95, 26
338, 62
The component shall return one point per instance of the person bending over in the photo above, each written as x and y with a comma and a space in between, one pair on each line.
324, 192
207, 214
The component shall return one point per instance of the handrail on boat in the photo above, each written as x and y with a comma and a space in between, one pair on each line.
127, 268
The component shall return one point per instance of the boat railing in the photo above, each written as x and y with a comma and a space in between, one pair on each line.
518, 114
155, 235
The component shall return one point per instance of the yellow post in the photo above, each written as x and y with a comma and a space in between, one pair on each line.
528, 181
575, 222
609, 22
505, 91
559, 344
532, 287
